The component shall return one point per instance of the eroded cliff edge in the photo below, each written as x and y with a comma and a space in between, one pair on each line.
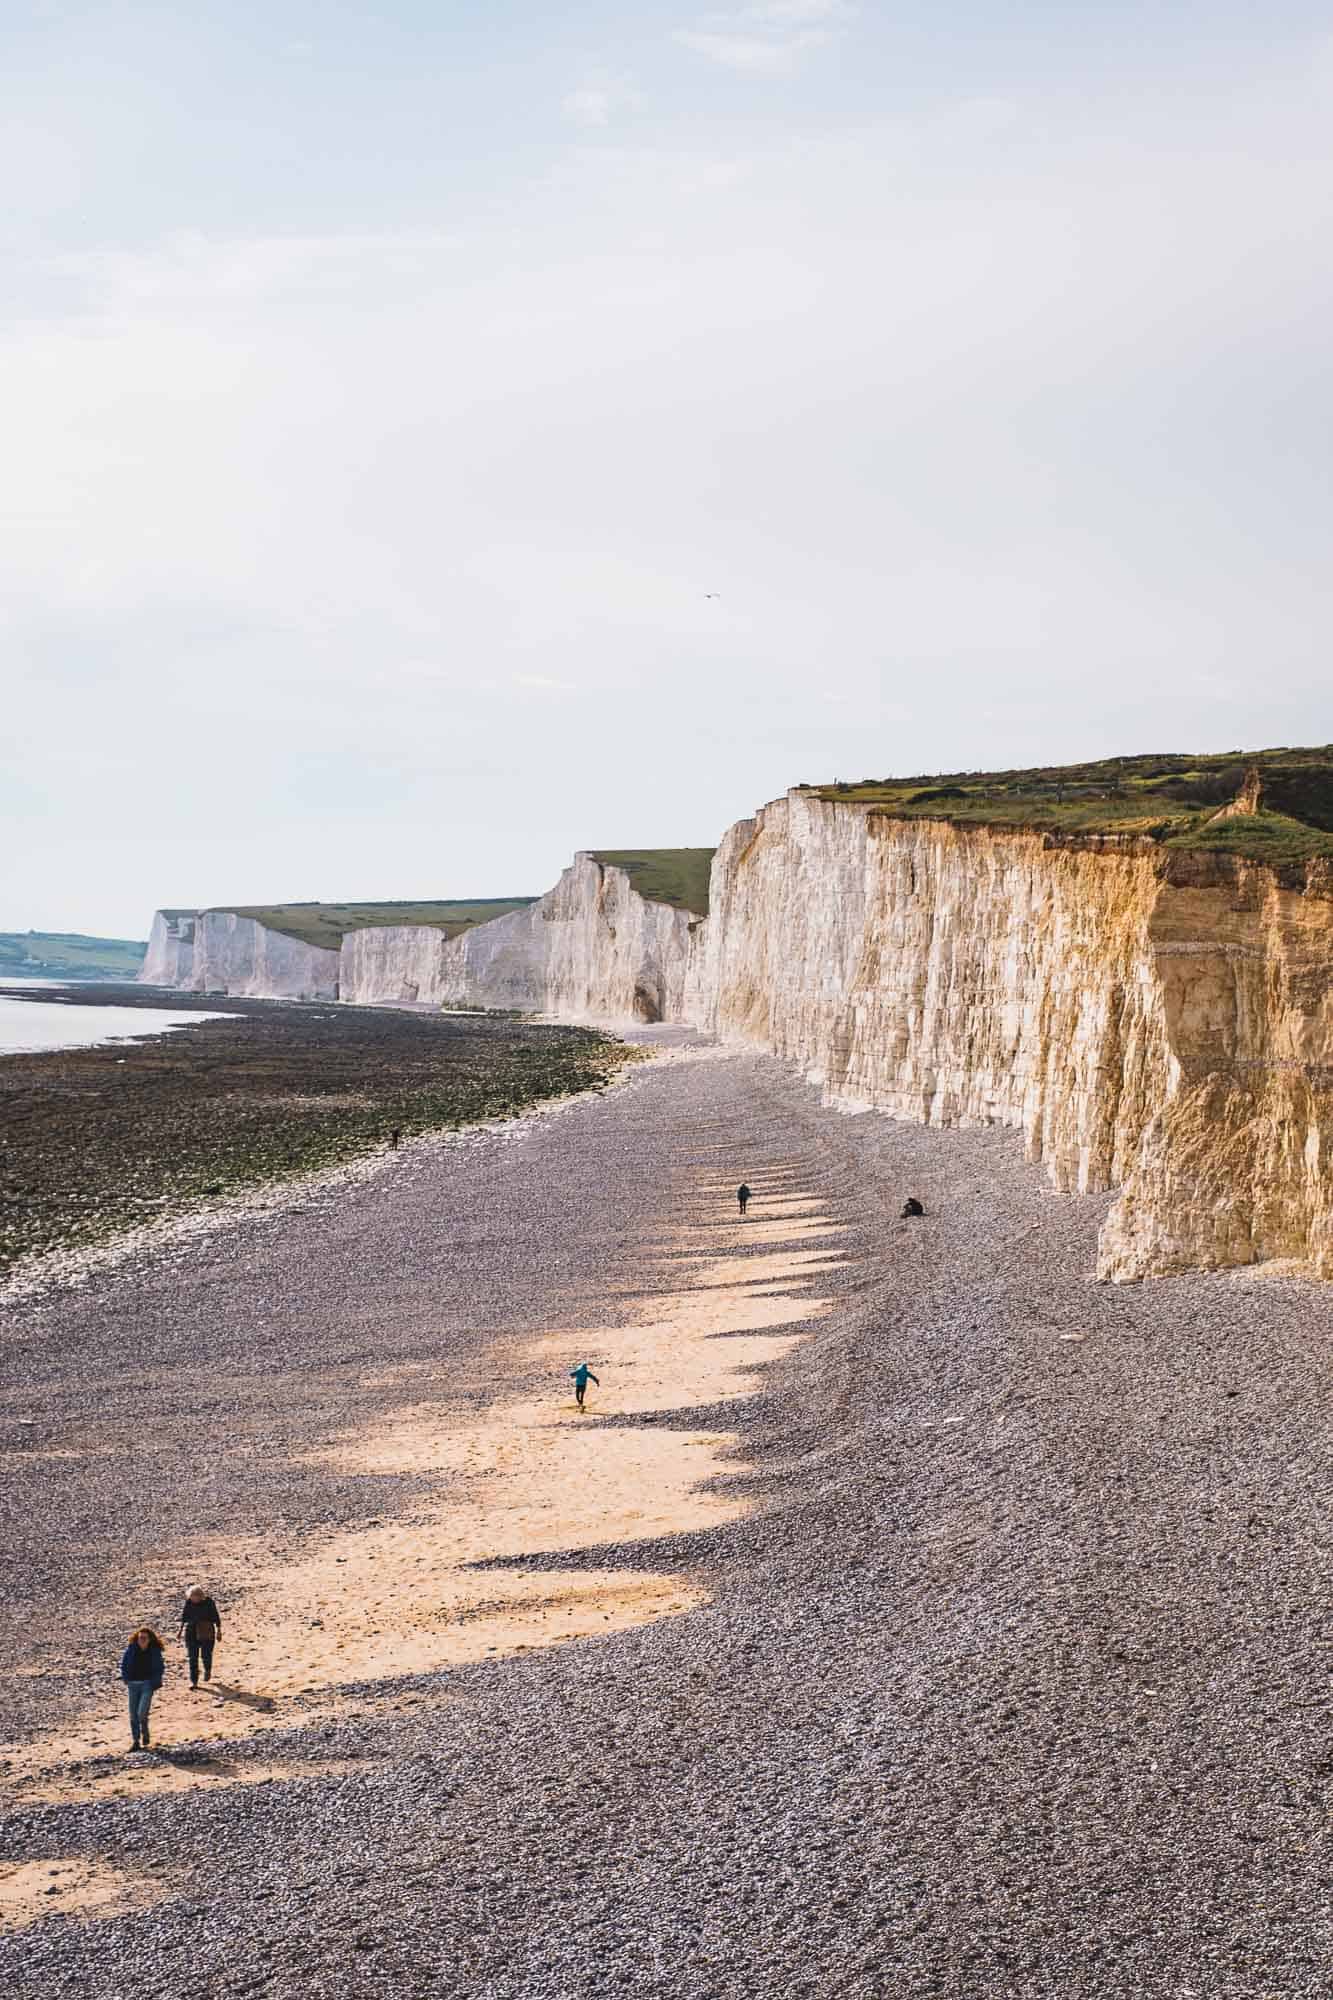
1150, 1019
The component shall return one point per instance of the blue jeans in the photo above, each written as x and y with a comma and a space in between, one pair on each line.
141, 1700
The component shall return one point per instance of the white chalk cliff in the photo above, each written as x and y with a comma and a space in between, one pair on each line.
169, 960
591, 949
1149, 1019
1152, 1020
216, 951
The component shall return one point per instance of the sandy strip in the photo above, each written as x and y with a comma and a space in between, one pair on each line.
400, 1598
31, 1890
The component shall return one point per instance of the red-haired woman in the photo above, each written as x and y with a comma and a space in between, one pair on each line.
142, 1666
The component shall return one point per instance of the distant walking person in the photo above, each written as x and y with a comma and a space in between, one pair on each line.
582, 1375
742, 1197
142, 1666
201, 1628
912, 1207
394, 1137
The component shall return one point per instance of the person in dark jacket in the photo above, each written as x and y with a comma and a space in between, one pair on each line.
201, 1628
912, 1207
142, 1666
742, 1197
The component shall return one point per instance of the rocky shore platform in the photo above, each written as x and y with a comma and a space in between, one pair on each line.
907, 1615
100, 1140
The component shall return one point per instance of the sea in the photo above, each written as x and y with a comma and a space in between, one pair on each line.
27, 1026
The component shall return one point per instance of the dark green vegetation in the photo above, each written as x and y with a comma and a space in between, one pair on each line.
675, 875
93, 1141
68, 955
1172, 798
327, 924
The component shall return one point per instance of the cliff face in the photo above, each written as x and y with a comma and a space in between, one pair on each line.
169, 960
591, 949
1235, 1164
397, 964
236, 955
1148, 1019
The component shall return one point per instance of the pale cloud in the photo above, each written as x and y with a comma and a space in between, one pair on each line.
754, 55
798, 13
768, 37
598, 100
203, 266
589, 106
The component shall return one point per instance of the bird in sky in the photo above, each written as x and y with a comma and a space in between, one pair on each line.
712, 593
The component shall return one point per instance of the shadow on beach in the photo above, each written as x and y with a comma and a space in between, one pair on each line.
224, 1691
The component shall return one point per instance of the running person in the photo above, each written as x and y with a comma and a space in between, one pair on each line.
582, 1375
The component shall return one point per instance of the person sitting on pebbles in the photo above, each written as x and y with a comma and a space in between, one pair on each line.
911, 1207
201, 1628
582, 1376
142, 1666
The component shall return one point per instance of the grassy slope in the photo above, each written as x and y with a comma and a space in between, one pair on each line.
68, 955
675, 875
326, 924
1170, 798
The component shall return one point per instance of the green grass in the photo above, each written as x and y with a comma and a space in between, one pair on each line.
675, 875
327, 924
68, 955
1171, 798
1262, 836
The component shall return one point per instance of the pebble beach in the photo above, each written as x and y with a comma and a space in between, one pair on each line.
907, 1615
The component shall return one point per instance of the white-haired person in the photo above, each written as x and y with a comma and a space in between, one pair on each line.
201, 1628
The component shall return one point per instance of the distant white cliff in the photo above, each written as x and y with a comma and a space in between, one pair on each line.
169, 960
591, 949
215, 951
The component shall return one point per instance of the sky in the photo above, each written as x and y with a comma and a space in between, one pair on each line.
439, 437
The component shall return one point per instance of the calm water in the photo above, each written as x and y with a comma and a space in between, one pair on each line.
52, 1024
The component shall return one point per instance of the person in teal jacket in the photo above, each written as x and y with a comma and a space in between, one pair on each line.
582, 1376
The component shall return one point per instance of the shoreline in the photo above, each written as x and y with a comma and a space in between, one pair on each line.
54, 1271
106, 1141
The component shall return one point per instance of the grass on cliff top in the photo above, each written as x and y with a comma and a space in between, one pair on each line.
327, 924
68, 955
1171, 798
675, 875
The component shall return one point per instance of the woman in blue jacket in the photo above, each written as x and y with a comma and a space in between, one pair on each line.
142, 1666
